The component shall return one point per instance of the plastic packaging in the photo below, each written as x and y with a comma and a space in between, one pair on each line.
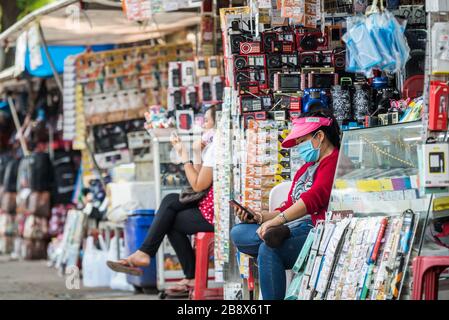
95, 271
118, 279
375, 42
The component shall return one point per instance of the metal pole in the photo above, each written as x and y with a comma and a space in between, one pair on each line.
50, 61
18, 126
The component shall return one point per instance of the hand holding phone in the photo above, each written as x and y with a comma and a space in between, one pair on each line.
246, 214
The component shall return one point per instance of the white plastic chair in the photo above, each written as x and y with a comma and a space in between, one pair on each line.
277, 196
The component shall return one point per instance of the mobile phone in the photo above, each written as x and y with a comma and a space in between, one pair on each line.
249, 213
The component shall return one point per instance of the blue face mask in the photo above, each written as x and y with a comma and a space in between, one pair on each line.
307, 152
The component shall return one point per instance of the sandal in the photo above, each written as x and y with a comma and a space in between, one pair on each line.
179, 289
129, 269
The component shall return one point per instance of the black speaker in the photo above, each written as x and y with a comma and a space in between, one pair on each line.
236, 39
274, 61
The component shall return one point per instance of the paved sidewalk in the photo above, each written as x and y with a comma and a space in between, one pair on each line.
34, 280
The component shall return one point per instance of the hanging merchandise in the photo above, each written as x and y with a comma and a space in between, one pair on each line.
341, 103
361, 103
376, 42
438, 105
440, 46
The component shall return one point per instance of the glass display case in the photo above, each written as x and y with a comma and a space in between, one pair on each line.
378, 173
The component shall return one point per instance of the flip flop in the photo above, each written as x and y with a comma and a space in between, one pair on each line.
118, 267
178, 290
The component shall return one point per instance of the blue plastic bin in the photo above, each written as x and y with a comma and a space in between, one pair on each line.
136, 228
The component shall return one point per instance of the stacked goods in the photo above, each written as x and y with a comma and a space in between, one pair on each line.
354, 259
8, 192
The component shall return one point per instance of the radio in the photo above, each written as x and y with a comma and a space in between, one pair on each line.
111, 159
139, 143
291, 101
250, 48
282, 47
250, 61
316, 58
271, 74
287, 82
279, 42
438, 105
294, 114
249, 75
339, 59
236, 40
249, 88
319, 80
314, 99
312, 41
278, 115
282, 61
256, 116
249, 103
324, 58
307, 70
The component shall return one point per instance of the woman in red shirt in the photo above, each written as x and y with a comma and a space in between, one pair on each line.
281, 234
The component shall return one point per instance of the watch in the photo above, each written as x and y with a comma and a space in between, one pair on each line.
282, 215
190, 161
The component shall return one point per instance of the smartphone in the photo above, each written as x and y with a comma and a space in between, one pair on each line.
249, 213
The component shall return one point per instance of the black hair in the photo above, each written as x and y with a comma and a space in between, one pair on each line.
332, 132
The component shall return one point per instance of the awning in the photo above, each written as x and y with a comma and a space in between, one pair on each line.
58, 55
64, 23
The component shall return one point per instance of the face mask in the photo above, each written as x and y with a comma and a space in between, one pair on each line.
307, 152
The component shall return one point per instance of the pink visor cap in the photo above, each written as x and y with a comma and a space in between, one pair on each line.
304, 126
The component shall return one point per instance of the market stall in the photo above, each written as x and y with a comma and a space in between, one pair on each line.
105, 91
285, 60
380, 67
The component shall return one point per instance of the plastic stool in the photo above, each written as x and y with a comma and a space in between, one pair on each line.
204, 243
426, 272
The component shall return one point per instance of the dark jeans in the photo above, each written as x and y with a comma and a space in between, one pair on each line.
176, 220
272, 262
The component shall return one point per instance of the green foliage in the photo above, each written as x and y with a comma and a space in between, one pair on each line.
28, 6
